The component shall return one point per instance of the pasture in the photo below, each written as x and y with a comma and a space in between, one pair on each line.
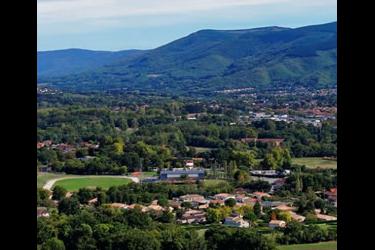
330, 245
315, 162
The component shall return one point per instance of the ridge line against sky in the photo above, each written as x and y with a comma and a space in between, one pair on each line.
114, 25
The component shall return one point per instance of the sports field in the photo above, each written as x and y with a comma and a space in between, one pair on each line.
43, 178
331, 245
315, 162
91, 182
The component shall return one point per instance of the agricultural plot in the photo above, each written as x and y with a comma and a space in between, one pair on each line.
331, 245
315, 162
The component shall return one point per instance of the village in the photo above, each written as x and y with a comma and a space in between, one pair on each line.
195, 208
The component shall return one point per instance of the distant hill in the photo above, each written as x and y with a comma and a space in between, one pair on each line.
210, 60
71, 61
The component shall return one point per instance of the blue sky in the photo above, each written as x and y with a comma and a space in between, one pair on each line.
144, 24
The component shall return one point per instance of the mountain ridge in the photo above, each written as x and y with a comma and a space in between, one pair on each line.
214, 59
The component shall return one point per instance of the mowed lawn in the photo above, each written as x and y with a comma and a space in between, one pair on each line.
331, 245
91, 182
315, 162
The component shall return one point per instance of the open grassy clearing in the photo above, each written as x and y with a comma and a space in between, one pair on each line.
331, 245
91, 182
202, 149
315, 162
148, 174
209, 183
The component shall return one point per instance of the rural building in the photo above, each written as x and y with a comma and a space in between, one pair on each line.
297, 217
193, 216
325, 217
236, 221
271, 141
276, 223
195, 174
42, 212
223, 196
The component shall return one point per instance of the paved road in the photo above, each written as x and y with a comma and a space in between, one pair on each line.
50, 183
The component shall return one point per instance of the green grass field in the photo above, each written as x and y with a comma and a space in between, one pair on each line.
91, 182
148, 174
331, 245
42, 178
209, 183
202, 149
315, 162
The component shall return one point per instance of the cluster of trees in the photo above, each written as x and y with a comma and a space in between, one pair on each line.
316, 180
297, 233
109, 228
133, 135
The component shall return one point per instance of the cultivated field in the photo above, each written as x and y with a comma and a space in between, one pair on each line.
331, 245
315, 162
91, 182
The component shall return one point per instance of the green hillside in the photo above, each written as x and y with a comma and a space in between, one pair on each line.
210, 60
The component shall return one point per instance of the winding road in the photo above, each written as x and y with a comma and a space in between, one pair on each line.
50, 183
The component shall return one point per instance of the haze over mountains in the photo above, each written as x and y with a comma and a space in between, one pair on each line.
206, 60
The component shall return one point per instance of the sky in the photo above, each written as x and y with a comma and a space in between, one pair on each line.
145, 24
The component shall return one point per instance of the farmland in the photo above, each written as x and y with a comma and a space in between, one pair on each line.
331, 245
315, 162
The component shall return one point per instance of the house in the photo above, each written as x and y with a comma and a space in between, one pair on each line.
45, 169
270, 141
68, 194
193, 216
331, 195
175, 204
194, 199
217, 202
284, 207
42, 212
236, 221
249, 201
93, 201
118, 205
325, 217
195, 174
189, 163
223, 196
260, 195
276, 223
297, 217
154, 207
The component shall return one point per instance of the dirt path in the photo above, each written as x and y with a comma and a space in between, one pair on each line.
50, 183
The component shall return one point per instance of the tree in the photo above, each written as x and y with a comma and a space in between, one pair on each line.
241, 176
84, 195
69, 205
257, 209
230, 202
53, 244
167, 217
213, 215
58, 192
163, 201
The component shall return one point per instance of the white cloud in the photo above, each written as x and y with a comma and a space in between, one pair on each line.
67, 11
